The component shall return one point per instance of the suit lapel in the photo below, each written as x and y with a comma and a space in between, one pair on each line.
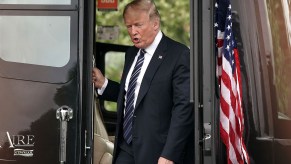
153, 66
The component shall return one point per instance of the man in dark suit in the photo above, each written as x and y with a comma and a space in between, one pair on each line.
154, 116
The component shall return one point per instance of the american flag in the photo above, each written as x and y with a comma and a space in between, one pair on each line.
228, 74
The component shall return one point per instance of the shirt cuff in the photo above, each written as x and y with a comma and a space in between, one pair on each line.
101, 90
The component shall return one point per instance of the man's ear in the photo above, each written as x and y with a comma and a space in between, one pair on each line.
156, 24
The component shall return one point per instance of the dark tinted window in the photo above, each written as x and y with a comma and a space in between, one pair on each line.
279, 61
263, 30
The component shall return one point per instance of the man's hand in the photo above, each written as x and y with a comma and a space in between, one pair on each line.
97, 78
164, 161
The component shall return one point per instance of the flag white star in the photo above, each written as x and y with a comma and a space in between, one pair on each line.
229, 7
228, 37
227, 47
229, 17
228, 27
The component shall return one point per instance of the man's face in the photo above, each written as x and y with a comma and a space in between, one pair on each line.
141, 29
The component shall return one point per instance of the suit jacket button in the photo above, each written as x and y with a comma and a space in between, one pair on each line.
134, 116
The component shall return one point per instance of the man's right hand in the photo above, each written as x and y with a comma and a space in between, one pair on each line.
97, 78
163, 160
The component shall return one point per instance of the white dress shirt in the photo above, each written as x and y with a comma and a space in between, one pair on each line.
150, 50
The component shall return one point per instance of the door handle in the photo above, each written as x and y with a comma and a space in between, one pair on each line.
64, 114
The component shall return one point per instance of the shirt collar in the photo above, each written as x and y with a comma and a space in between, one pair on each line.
152, 48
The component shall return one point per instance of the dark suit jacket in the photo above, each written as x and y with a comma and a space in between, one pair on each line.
163, 118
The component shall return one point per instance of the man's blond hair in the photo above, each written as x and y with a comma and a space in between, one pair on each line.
144, 5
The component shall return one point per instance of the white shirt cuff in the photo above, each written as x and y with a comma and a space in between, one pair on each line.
101, 90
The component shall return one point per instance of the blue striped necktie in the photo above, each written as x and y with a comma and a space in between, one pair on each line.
130, 94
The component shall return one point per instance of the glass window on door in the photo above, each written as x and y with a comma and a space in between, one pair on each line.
42, 2
38, 40
114, 62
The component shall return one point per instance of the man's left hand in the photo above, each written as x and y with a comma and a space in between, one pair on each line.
164, 161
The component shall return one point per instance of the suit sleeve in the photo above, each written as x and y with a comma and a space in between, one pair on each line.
182, 121
111, 91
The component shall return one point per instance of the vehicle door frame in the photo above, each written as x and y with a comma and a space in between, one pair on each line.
86, 59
